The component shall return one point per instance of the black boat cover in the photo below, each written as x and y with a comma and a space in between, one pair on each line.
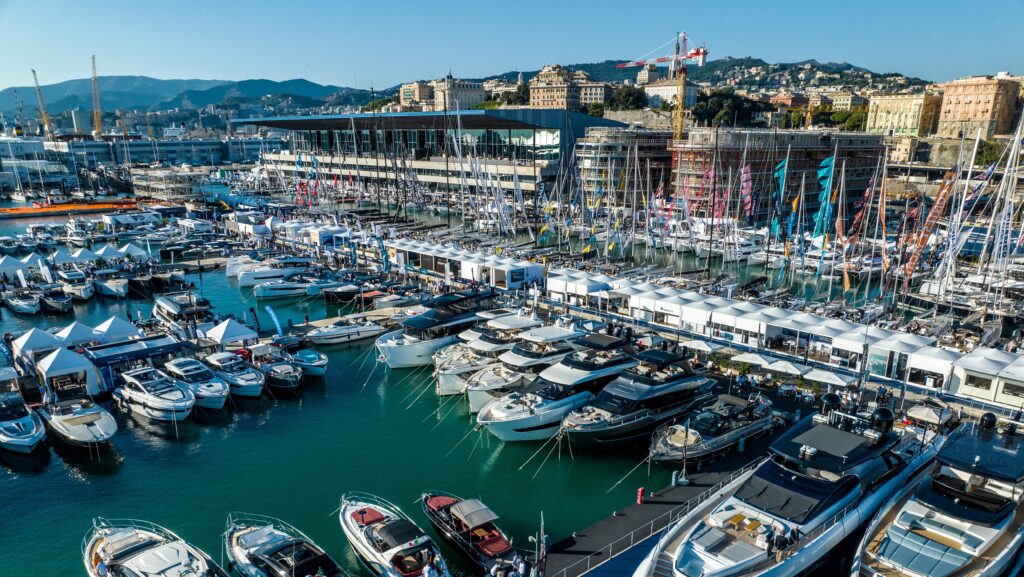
399, 532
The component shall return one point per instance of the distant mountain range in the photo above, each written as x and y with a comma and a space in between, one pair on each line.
145, 93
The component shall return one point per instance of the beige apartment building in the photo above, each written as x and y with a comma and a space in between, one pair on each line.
904, 114
554, 87
985, 103
846, 101
416, 93
454, 94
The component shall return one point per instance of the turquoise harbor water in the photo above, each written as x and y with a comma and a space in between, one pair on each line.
363, 428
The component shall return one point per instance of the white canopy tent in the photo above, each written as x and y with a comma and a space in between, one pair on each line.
78, 333
703, 346
829, 378
231, 331
755, 359
64, 362
10, 265
132, 251
117, 329
789, 368
33, 260
62, 256
108, 252
34, 341
85, 255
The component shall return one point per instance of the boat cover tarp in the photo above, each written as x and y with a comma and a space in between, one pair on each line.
398, 532
773, 490
473, 513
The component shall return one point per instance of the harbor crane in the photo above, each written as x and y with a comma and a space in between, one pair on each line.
42, 109
677, 63
97, 114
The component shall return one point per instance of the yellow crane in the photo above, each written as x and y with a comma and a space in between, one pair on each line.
678, 62
149, 126
97, 114
42, 109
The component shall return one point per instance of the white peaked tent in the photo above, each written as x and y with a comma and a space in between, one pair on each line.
231, 331
107, 251
782, 366
33, 260
829, 378
133, 251
78, 333
85, 255
10, 265
33, 341
754, 359
62, 362
117, 329
62, 256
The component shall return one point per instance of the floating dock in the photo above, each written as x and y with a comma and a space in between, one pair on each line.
68, 209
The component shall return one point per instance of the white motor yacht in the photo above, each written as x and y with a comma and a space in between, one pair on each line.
21, 429
517, 368
130, 548
385, 539
21, 302
962, 515
344, 331
536, 414
289, 289
500, 335
73, 417
76, 284
236, 264
468, 335
259, 546
210, 390
151, 393
282, 374
243, 379
275, 269
825, 476
184, 314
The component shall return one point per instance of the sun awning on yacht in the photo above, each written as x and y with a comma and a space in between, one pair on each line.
473, 513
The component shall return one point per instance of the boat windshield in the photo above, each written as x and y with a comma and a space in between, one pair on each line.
195, 375
11, 411
541, 350
550, 391
707, 424
234, 365
613, 403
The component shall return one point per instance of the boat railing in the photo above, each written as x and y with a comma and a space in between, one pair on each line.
706, 446
651, 528
644, 414
137, 524
371, 499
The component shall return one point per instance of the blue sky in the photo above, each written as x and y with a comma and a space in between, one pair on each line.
359, 43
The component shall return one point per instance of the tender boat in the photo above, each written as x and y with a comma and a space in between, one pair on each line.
22, 302
469, 525
259, 546
21, 429
962, 515
421, 336
151, 393
210, 391
312, 362
518, 367
130, 548
714, 430
74, 418
661, 389
824, 478
52, 298
243, 379
76, 284
344, 331
387, 541
536, 414
500, 335
282, 374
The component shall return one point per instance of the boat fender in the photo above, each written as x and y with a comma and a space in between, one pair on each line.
640, 494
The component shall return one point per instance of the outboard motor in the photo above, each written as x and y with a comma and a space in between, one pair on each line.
627, 333
830, 403
882, 420
988, 421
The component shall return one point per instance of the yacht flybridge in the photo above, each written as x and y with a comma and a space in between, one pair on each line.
519, 366
963, 515
185, 314
275, 269
713, 430
824, 477
662, 388
560, 388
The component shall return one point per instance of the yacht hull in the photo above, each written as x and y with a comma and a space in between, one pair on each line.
401, 353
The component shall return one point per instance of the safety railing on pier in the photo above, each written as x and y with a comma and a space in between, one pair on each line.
649, 529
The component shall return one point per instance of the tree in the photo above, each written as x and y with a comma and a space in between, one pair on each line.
725, 108
596, 109
857, 121
378, 103
988, 152
488, 105
520, 96
627, 97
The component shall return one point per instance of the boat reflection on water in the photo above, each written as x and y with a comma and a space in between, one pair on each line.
26, 463
104, 461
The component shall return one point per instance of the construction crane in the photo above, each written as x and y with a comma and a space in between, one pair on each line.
42, 109
97, 114
677, 63
938, 209
19, 129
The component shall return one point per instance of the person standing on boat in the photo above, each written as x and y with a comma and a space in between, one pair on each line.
780, 544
